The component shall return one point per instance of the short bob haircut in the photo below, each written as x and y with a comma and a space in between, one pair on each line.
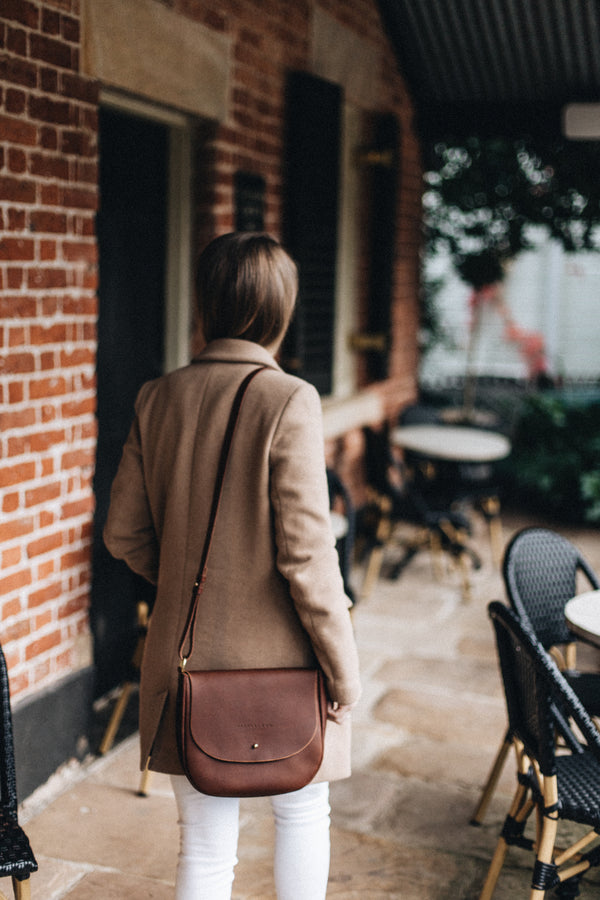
246, 287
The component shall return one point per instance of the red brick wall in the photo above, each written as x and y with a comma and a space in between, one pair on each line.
268, 39
48, 196
265, 46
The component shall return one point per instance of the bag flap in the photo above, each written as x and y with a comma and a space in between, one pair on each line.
254, 715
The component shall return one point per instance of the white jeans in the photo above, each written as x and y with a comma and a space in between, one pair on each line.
209, 837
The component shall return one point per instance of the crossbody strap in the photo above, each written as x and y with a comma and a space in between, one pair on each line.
188, 633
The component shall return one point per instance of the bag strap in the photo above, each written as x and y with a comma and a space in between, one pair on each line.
188, 633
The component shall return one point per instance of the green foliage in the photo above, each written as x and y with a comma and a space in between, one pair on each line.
483, 195
555, 461
590, 490
431, 328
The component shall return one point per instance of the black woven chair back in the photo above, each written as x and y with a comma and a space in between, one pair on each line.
345, 545
8, 778
540, 570
419, 414
338, 491
377, 459
16, 855
407, 502
534, 688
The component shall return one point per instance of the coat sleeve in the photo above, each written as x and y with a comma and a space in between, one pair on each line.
129, 531
306, 553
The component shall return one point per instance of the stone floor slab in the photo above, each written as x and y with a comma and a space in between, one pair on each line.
443, 761
111, 827
441, 715
115, 886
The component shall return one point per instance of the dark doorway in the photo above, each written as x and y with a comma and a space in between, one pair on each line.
132, 234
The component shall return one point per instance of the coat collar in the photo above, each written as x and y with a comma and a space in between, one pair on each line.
234, 350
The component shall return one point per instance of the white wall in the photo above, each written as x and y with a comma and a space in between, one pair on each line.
546, 290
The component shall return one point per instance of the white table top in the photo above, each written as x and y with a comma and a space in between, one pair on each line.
583, 616
452, 442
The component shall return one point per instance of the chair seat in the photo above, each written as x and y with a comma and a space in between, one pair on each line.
578, 779
587, 687
16, 855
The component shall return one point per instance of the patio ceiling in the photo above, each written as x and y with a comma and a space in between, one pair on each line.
495, 66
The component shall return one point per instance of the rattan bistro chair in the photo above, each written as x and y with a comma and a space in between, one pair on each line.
16, 856
555, 784
540, 571
341, 502
474, 483
395, 499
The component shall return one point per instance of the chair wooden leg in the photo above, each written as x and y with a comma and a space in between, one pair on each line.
494, 870
115, 719
22, 889
128, 686
520, 809
491, 510
144, 780
435, 547
579, 866
496, 541
545, 851
492, 780
382, 536
571, 655
372, 573
575, 849
463, 566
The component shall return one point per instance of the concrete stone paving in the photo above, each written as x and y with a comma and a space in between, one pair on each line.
425, 733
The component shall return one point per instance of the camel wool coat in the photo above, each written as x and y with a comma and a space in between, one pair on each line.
273, 594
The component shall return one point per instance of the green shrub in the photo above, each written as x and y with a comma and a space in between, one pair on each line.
555, 462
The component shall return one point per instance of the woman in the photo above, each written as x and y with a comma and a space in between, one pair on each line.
274, 594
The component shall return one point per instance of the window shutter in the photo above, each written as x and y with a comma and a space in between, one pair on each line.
383, 191
313, 124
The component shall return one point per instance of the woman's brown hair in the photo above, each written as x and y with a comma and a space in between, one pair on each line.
246, 287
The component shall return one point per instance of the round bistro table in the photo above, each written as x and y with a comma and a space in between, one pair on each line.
583, 616
456, 443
